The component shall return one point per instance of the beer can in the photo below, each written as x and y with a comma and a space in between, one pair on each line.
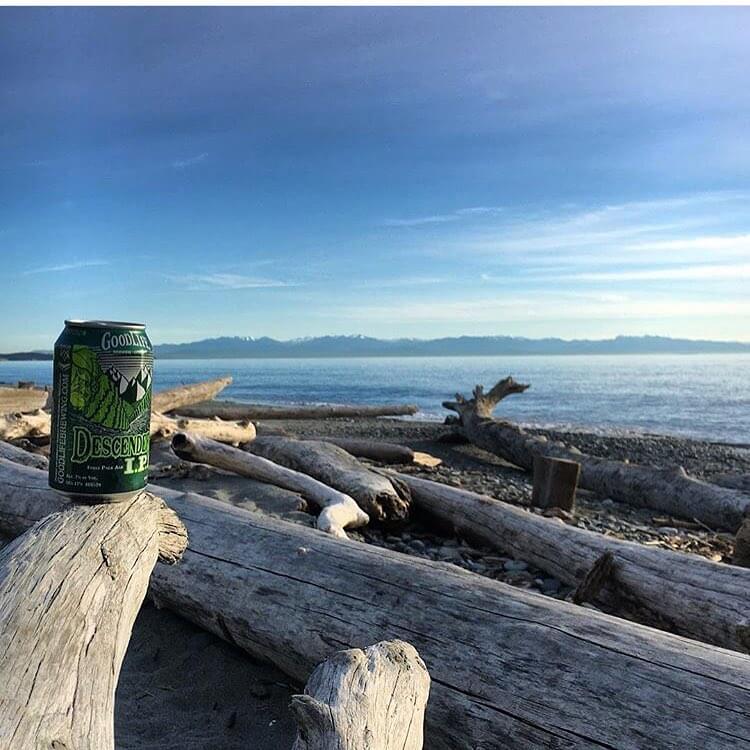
101, 410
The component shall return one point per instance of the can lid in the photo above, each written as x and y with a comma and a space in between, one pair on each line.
103, 324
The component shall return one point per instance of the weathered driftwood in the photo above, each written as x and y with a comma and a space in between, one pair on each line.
733, 481
382, 498
164, 427
338, 510
698, 598
33, 425
742, 545
238, 410
17, 400
364, 700
509, 669
555, 483
669, 490
385, 453
185, 395
70, 589
20, 456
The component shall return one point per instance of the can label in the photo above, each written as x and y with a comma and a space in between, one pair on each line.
101, 411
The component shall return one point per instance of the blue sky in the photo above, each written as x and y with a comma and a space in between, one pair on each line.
393, 172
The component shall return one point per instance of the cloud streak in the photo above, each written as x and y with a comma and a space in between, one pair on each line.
226, 282
66, 267
461, 213
189, 161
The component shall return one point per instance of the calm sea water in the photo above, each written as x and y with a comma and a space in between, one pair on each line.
704, 396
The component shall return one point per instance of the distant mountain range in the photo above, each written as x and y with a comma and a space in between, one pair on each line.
364, 346
238, 347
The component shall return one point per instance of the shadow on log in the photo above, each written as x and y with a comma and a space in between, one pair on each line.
70, 588
364, 700
669, 490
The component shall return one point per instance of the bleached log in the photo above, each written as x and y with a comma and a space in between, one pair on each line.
385, 453
338, 510
694, 596
238, 410
18, 400
669, 490
382, 498
33, 425
164, 427
70, 589
364, 700
20, 456
510, 670
186, 395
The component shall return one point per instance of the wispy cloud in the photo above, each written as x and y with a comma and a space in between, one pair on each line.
189, 161
66, 267
226, 281
699, 272
461, 213
404, 281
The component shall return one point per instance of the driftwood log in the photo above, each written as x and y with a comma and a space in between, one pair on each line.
509, 669
70, 589
20, 456
381, 497
696, 597
384, 453
237, 410
364, 700
669, 490
17, 400
338, 510
33, 425
164, 427
185, 395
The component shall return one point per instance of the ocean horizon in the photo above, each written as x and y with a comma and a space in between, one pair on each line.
701, 396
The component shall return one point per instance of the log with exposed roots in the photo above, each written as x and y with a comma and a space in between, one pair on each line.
238, 410
364, 700
510, 669
338, 510
688, 593
70, 589
670, 490
382, 498
186, 395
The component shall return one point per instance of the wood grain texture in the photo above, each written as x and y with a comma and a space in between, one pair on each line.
669, 490
364, 700
697, 597
21, 456
164, 427
33, 425
70, 588
510, 670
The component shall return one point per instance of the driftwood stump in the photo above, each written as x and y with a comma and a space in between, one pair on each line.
70, 589
555, 483
742, 545
364, 700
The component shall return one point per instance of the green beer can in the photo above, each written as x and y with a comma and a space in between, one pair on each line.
101, 410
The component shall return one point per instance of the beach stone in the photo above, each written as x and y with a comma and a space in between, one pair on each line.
515, 566
550, 585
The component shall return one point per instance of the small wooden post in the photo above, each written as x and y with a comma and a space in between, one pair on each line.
742, 545
555, 482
